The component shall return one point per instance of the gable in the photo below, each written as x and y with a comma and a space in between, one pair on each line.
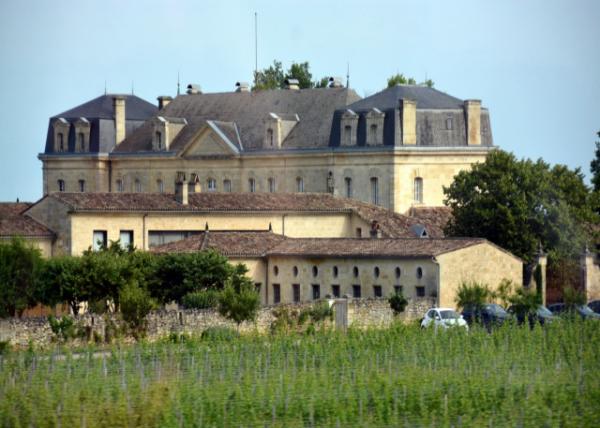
208, 142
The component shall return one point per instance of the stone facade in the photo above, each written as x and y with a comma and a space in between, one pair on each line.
361, 314
590, 269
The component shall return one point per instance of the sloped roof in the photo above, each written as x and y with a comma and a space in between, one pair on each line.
248, 110
435, 216
426, 98
391, 224
14, 223
233, 243
102, 108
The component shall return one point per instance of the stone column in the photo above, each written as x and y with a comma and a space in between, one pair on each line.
590, 273
542, 262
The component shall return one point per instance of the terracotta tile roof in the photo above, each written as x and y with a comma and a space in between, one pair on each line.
228, 243
434, 216
263, 243
392, 225
14, 223
366, 247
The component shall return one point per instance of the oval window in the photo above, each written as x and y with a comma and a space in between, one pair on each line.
295, 271
355, 271
376, 272
315, 271
275, 270
398, 272
419, 272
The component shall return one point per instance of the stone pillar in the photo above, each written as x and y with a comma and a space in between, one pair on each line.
542, 262
590, 273
119, 110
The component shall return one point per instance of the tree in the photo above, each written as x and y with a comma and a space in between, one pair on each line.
19, 266
595, 167
519, 205
135, 305
400, 79
239, 301
62, 279
274, 77
300, 72
323, 83
473, 294
398, 303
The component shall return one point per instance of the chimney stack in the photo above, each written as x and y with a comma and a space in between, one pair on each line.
163, 101
473, 116
119, 110
193, 89
408, 121
335, 82
181, 189
292, 84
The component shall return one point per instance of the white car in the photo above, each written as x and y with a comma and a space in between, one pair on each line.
443, 318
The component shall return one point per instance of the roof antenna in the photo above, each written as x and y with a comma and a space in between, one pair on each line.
177, 82
132, 87
348, 76
104, 86
255, 47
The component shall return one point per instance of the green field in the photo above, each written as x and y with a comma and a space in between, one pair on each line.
400, 376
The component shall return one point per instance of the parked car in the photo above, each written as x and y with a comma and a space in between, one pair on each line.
595, 306
443, 318
490, 314
541, 315
583, 311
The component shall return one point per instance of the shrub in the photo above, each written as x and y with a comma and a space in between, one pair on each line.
398, 303
573, 297
4, 347
219, 334
317, 313
63, 327
135, 304
473, 294
239, 301
201, 299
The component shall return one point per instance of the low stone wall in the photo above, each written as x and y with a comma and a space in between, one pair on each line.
362, 313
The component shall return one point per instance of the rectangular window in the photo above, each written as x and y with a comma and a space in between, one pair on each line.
271, 185
398, 289
335, 290
316, 291
82, 185
227, 186
138, 186
257, 286
99, 240
348, 182
252, 185
126, 239
120, 186
212, 185
356, 291
374, 191
377, 291
359, 232
276, 293
296, 293
160, 186
159, 237
61, 185
300, 184
420, 291
348, 135
418, 190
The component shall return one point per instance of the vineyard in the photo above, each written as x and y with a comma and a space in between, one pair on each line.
400, 376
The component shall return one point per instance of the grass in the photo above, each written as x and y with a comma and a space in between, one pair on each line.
400, 376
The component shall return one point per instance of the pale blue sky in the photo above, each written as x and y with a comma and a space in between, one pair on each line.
534, 64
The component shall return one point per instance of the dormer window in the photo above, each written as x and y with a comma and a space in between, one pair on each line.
449, 124
347, 135
348, 128
61, 142
61, 185
81, 141
373, 133
270, 137
159, 143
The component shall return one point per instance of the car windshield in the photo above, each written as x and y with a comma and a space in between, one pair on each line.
449, 315
495, 309
542, 310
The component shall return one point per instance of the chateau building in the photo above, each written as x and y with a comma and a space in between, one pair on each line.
395, 149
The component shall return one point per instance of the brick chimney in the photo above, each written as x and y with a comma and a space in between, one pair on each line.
119, 109
473, 116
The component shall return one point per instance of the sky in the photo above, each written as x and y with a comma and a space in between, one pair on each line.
535, 64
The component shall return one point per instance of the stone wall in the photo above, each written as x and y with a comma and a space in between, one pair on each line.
362, 313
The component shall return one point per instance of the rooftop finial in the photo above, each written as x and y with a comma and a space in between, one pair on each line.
348, 76
178, 82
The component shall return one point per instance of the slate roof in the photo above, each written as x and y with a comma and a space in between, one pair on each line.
229, 243
437, 216
391, 224
14, 223
248, 110
263, 243
102, 108
426, 98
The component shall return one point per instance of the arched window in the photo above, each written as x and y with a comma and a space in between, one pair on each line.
355, 271
419, 189
159, 140
211, 184
299, 184
61, 185
373, 133
119, 186
315, 271
251, 185
81, 141
398, 272
227, 185
275, 270
271, 184
419, 272
82, 185
270, 137
376, 272
348, 181
138, 185
160, 186
335, 271
449, 123
61, 142
375, 190
295, 271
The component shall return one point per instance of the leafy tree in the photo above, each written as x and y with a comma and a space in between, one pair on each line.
239, 301
573, 297
473, 294
269, 78
429, 83
520, 204
323, 83
398, 303
400, 79
62, 279
135, 305
525, 301
595, 167
105, 272
19, 266
301, 72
